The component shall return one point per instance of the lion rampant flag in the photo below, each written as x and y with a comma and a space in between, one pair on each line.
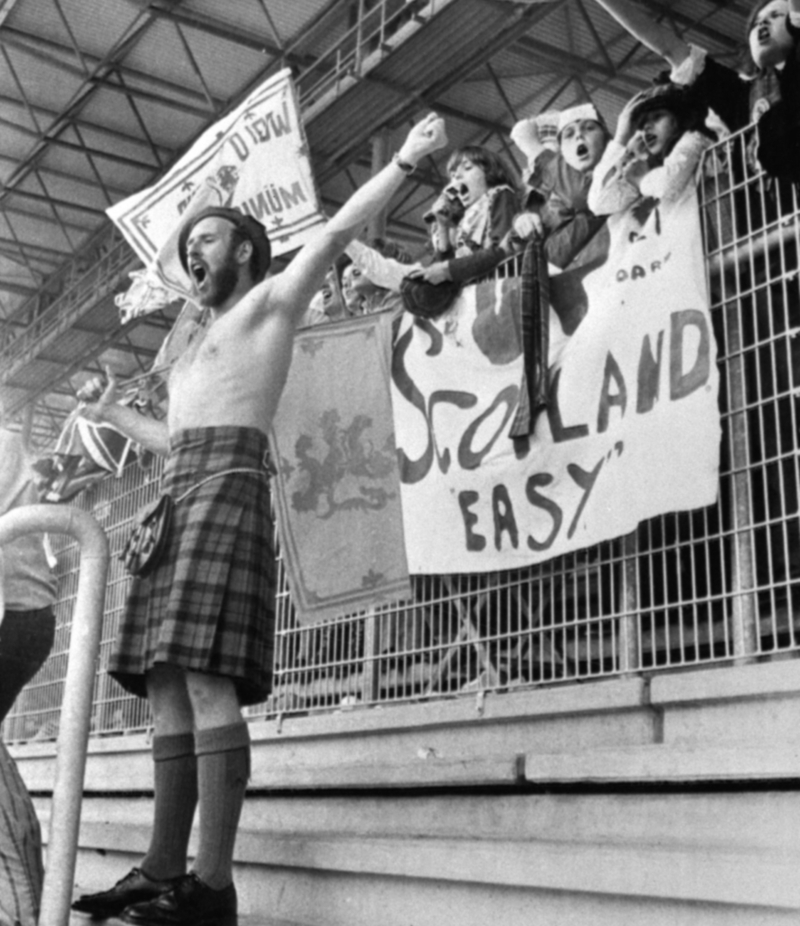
337, 490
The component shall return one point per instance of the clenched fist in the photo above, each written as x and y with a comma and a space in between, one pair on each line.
425, 137
98, 395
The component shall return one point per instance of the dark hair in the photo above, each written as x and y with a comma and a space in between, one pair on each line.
758, 6
493, 166
245, 228
748, 65
689, 112
239, 236
340, 264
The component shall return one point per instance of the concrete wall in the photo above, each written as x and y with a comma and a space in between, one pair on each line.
668, 800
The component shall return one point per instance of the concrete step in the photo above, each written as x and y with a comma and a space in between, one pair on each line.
713, 874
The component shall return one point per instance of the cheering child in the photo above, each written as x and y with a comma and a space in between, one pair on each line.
558, 182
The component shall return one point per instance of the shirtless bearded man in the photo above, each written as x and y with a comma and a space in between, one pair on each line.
196, 639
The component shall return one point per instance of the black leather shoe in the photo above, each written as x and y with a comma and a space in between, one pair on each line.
189, 903
135, 887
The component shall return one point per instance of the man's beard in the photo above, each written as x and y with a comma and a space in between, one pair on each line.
221, 283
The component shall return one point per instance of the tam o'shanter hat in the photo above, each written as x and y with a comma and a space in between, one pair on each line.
576, 113
678, 100
252, 229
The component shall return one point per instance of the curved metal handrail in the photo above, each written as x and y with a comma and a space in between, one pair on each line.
73, 734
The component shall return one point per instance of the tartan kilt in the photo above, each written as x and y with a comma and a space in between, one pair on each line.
209, 604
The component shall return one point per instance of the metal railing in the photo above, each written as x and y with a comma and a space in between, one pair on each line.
717, 585
377, 27
110, 260
76, 705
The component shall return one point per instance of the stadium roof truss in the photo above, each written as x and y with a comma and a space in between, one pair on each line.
99, 97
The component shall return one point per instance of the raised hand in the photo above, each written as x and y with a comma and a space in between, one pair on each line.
525, 135
528, 225
425, 137
435, 273
98, 395
625, 127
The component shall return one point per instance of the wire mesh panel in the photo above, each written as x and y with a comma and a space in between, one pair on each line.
752, 230
685, 589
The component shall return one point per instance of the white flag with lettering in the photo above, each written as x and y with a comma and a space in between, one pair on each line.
632, 427
255, 159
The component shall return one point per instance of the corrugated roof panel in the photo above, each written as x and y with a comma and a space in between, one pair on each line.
112, 110
36, 225
96, 26
15, 142
225, 66
84, 192
167, 125
290, 18
451, 40
47, 87
34, 374
71, 344
132, 148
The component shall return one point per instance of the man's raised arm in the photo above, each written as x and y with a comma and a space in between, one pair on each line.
292, 290
642, 26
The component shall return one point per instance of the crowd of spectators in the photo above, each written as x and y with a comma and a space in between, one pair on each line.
581, 183
578, 174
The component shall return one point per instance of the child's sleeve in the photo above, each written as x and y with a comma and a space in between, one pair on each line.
485, 259
668, 182
611, 191
382, 271
564, 242
542, 173
715, 85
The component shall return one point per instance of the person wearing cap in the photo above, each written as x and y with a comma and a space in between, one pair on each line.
558, 182
655, 153
767, 91
196, 638
764, 92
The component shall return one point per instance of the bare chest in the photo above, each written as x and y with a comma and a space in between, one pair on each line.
212, 347
213, 359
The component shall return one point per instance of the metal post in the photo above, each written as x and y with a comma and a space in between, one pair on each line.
744, 617
359, 38
372, 645
73, 733
629, 629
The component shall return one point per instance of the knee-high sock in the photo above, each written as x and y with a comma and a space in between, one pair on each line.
175, 778
223, 767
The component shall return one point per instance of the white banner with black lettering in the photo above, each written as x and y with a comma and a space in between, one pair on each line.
631, 431
255, 159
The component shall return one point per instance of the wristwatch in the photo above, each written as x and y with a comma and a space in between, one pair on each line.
403, 165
